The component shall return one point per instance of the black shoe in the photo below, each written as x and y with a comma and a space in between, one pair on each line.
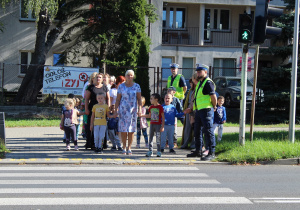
162, 150
208, 157
100, 151
64, 140
194, 154
96, 150
105, 146
120, 149
172, 151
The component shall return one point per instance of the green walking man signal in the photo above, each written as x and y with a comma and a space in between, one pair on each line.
246, 35
245, 28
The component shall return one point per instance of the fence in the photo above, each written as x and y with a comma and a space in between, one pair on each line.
13, 74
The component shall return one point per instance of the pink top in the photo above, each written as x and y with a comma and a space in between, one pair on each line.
144, 123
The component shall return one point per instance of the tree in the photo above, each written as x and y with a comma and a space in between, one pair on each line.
45, 11
99, 29
277, 88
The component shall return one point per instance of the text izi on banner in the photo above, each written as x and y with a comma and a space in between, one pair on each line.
65, 80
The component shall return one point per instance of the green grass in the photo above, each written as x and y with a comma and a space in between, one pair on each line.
52, 122
266, 146
3, 150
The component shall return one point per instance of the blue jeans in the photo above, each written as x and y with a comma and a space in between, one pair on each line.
168, 133
138, 135
204, 124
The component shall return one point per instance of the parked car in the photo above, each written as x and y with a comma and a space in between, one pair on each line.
230, 88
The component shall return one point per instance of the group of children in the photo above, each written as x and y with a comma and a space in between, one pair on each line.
162, 123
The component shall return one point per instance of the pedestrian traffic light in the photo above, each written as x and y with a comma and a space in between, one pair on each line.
245, 28
262, 13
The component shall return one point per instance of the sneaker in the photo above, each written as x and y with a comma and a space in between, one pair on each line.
138, 146
113, 149
149, 154
64, 140
147, 145
194, 154
76, 148
97, 150
158, 154
208, 157
162, 150
100, 151
120, 148
68, 148
205, 153
172, 151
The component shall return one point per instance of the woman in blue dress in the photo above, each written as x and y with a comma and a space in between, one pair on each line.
127, 103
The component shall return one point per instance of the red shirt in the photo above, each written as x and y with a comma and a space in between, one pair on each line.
156, 114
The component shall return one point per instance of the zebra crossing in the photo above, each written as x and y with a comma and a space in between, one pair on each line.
106, 185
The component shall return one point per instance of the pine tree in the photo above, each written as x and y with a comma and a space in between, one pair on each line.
276, 81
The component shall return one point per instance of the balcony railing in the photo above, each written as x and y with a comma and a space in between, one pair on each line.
212, 37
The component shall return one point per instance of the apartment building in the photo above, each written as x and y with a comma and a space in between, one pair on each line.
203, 31
187, 32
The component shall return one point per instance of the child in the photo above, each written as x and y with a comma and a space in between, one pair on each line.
68, 121
170, 113
112, 125
63, 108
98, 121
219, 117
157, 123
175, 102
142, 126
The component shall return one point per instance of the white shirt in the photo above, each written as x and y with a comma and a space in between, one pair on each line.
113, 94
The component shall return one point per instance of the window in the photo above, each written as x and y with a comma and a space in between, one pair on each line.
165, 67
217, 19
188, 67
224, 67
56, 60
174, 17
26, 15
25, 59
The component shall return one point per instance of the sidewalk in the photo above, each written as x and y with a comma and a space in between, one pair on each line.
43, 145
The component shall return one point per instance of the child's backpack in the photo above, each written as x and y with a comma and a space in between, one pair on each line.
112, 123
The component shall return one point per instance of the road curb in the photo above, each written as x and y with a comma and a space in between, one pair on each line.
117, 161
127, 161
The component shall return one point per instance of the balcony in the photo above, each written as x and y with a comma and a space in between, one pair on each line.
212, 37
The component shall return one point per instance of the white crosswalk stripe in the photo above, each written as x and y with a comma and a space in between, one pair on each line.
44, 186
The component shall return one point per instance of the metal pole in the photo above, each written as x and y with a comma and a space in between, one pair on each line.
158, 80
294, 75
243, 95
254, 93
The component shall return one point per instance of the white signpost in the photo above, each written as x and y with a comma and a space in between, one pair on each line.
65, 80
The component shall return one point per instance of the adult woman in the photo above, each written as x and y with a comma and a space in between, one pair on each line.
90, 101
128, 98
85, 117
187, 132
114, 89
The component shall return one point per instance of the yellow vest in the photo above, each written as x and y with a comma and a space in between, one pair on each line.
202, 101
179, 90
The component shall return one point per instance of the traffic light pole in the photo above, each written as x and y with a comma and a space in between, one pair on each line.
243, 95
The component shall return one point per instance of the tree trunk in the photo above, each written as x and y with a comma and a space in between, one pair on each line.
33, 80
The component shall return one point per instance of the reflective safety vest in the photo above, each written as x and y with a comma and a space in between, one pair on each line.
202, 101
179, 90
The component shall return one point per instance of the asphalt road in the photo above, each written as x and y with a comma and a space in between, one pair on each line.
149, 187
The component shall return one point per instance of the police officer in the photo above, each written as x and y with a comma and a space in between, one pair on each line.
205, 103
177, 80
